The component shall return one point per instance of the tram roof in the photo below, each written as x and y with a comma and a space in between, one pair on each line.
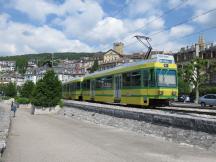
155, 58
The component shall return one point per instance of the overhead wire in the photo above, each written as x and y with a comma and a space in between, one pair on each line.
185, 21
119, 11
158, 17
162, 15
180, 23
188, 35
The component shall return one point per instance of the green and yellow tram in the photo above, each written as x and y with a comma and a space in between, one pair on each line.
73, 89
148, 82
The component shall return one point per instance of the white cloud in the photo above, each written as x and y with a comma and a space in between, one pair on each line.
4, 20
80, 22
19, 38
140, 7
180, 31
37, 9
109, 28
205, 19
199, 7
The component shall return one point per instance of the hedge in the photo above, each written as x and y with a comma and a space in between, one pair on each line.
22, 100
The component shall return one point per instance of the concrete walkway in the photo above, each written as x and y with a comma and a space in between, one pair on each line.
46, 138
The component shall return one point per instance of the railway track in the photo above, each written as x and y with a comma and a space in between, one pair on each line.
177, 109
185, 110
172, 109
187, 118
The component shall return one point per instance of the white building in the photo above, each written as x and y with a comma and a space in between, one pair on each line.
7, 66
12, 77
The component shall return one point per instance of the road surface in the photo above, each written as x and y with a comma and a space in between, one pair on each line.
52, 138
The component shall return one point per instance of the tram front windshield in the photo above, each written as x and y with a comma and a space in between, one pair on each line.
166, 78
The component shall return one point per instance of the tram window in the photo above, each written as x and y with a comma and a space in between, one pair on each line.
68, 87
99, 83
136, 78
83, 85
86, 84
166, 78
152, 78
71, 88
126, 79
63, 88
145, 77
78, 85
107, 82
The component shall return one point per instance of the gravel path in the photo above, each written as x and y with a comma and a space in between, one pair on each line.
188, 137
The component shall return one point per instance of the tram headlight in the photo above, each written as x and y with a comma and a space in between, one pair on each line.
160, 92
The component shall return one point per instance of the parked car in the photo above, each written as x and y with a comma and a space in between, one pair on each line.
208, 99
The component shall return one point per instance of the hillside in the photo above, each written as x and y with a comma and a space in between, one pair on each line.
22, 60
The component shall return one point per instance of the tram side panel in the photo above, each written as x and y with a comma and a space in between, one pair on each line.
104, 89
86, 90
131, 91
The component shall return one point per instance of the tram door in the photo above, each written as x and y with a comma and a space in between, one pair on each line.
92, 89
117, 87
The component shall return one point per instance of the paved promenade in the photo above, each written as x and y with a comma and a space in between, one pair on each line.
50, 138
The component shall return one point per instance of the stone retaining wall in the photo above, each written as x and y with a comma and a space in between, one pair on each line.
204, 124
5, 116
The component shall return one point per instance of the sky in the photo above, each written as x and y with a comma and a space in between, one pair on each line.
37, 26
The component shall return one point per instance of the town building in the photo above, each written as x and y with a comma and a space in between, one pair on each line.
113, 57
7, 66
199, 49
16, 78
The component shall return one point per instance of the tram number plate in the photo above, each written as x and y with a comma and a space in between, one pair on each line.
166, 65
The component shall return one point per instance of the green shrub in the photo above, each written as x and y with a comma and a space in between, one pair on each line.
204, 89
61, 103
23, 100
47, 92
5, 98
10, 90
27, 89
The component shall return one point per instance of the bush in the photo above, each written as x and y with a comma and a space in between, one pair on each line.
204, 89
23, 100
5, 98
10, 90
48, 91
27, 89
61, 103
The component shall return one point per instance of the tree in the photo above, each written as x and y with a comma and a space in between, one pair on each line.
10, 90
211, 70
48, 91
183, 85
27, 89
195, 73
94, 67
21, 64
